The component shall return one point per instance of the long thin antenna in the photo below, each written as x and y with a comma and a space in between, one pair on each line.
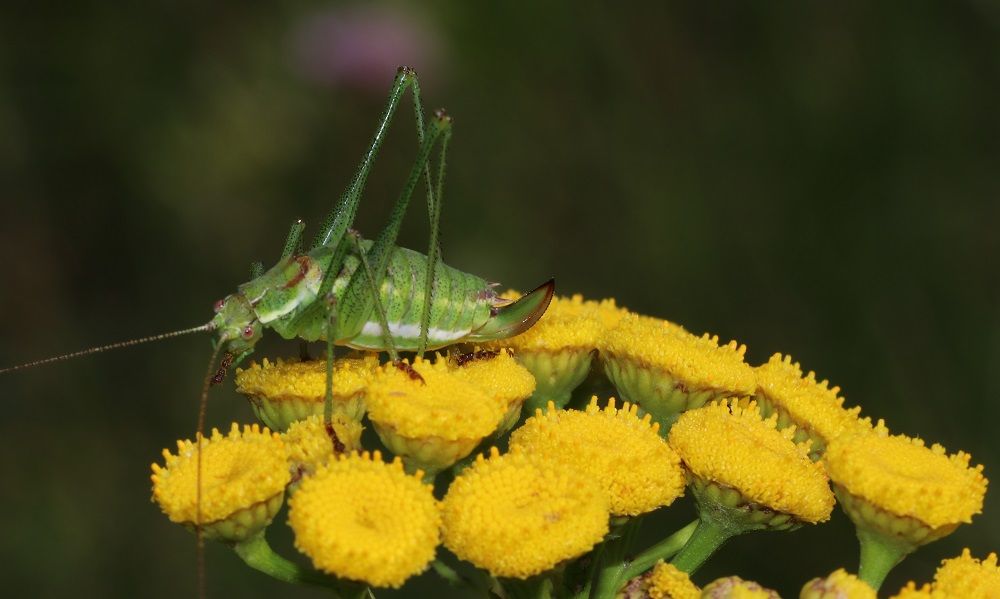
198, 530
103, 348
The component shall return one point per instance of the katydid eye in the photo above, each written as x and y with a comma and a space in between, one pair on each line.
248, 332
218, 306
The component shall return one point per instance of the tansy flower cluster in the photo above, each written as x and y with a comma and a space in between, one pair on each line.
503, 473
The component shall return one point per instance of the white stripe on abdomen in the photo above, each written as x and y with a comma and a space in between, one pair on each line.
412, 332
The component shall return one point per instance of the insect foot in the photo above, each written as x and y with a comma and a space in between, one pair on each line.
220, 374
404, 366
479, 354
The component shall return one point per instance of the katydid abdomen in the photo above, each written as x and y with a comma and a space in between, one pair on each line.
460, 304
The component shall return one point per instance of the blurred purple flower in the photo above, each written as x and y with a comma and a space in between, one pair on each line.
361, 46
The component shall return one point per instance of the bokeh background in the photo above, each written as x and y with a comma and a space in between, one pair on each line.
815, 178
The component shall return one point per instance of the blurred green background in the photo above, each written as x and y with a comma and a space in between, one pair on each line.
821, 179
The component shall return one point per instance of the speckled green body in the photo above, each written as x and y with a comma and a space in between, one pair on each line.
460, 305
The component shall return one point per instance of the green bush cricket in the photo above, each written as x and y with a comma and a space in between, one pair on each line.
352, 292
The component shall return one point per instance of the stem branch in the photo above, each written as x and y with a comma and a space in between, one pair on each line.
707, 537
665, 549
257, 554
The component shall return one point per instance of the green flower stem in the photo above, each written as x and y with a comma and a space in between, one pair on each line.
616, 574
665, 549
257, 554
707, 538
610, 576
879, 555
457, 580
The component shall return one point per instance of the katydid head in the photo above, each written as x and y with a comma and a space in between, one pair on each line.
236, 325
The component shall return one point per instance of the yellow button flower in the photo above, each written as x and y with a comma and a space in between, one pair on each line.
966, 576
734, 587
281, 392
901, 494
838, 585
559, 348
515, 517
243, 480
904, 478
362, 519
429, 415
616, 448
500, 376
815, 408
745, 475
667, 370
309, 444
735, 448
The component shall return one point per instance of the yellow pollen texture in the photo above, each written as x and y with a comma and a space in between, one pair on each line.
667, 582
968, 577
306, 380
239, 470
310, 446
443, 405
733, 446
569, 323
516, 517
810, 404
614, 447
362, 519
500, 377
904, 477
699, 363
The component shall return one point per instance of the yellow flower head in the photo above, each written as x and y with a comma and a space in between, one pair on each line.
839, 585
665, 581
667, 370
244, 473
904, 478
500, 376
310, 446
699, 363
616, 448
515, 517
813, 407
968, 577
732, 447
429, 415
284, 392
362, 519
734, 587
